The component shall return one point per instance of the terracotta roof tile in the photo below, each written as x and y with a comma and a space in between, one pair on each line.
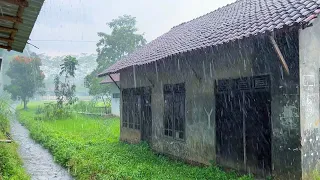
240, 19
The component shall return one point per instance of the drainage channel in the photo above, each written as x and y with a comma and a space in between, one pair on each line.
38, 162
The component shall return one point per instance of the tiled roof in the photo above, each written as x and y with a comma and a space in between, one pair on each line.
238, 20
115, 77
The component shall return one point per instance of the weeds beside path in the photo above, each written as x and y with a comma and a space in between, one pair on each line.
90, 148
10, 162
11, 166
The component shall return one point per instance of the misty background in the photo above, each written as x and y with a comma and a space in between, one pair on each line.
69, 27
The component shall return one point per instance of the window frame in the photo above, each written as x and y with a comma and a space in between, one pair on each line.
128, 101
176, 91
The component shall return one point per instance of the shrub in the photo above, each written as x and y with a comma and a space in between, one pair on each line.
52, 111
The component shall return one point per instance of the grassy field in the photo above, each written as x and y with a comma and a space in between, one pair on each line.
90, 148
92, 107
10, 163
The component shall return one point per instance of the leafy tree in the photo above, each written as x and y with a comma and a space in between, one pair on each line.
26, 78
123, 40
65, 90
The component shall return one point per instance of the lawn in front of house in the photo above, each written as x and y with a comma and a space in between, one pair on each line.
90, 147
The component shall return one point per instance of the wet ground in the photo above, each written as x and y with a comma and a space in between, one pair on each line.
38, 161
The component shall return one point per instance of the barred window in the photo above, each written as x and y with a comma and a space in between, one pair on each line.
131, 108
174, 110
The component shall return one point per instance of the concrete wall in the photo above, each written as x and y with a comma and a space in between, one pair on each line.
130, 135
199, 144
286, 155
310, 110
237, 60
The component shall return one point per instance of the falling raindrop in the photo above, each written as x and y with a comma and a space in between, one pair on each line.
281, 72
156, 71
204, 70
134, 76
211, 75
213, 69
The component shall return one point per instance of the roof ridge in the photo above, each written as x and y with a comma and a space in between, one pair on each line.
236, 1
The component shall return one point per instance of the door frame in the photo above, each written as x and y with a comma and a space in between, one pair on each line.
225, 89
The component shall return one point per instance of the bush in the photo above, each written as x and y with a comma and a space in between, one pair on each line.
315, 175
51, 111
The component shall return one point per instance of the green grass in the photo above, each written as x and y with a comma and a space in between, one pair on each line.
101, 104
10, 162
90, 148
11, 166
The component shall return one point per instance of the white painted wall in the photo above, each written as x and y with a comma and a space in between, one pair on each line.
309, 48
115, 102
1, 82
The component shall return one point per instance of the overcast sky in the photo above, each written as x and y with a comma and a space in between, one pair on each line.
80, 20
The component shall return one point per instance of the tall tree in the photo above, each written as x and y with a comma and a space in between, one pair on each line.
123, 40
65, 90
26, 78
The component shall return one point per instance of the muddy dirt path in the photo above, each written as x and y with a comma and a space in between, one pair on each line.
38, 161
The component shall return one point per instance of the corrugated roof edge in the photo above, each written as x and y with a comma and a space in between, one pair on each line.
31, 4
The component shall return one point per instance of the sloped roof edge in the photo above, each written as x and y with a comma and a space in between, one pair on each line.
236, 21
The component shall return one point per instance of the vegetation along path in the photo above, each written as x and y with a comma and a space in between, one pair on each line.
89, 146
38, 161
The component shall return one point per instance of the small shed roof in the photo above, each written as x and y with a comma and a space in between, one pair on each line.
238, 20
107, 80
17, 18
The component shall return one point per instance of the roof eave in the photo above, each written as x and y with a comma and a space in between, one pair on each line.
300, 23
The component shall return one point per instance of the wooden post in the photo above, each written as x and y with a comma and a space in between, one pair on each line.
194, 72
277, 49
11, 18
16, 24
22, 3
114, 82
5, 141
6, 29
